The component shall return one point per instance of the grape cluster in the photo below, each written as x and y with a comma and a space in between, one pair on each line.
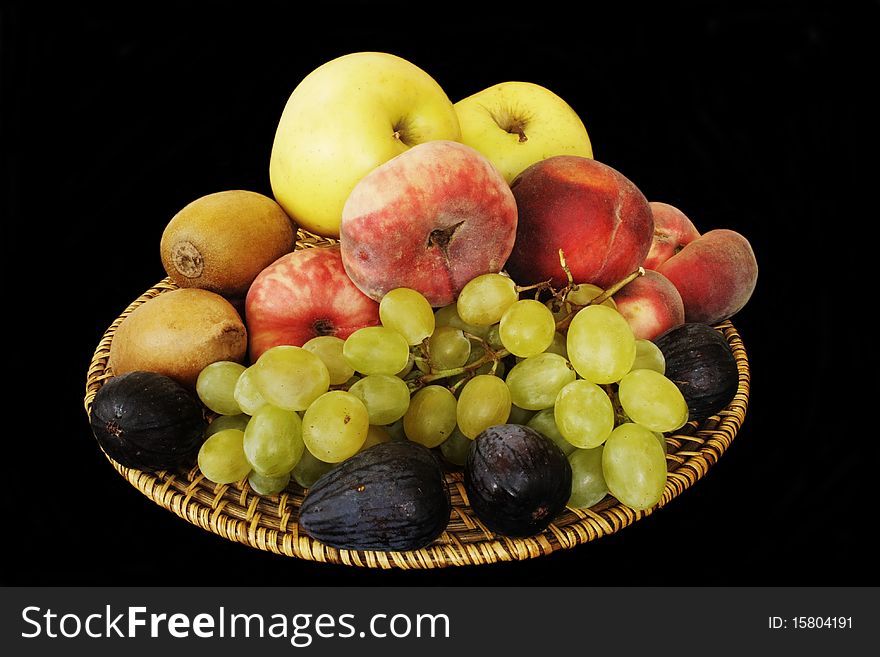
565, 363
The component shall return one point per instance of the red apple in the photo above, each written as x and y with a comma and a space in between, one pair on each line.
598, 217
431, 219
651, 305
301, 295
672, 232
715, 275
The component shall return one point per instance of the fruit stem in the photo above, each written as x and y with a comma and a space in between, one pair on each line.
490, 355
620, 415
619, 285
565, 268
563, 323
543, 285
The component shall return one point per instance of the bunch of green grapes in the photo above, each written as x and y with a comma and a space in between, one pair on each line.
568, 366
575, 373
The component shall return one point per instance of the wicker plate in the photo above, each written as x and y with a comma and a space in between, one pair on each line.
270, 523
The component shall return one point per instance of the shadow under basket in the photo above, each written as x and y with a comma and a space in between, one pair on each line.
269, 523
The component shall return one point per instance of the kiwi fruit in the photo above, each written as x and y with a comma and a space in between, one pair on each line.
179, 333
220, 242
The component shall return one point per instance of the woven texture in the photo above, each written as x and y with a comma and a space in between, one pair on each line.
270, 523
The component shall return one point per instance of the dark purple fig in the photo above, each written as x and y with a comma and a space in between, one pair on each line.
147, 421
701, 363
516, 480
392, 496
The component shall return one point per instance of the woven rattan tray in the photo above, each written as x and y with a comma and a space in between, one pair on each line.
270, 523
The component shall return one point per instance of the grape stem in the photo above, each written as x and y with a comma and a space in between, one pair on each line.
620, 415
490, 356
563, 323
495, 356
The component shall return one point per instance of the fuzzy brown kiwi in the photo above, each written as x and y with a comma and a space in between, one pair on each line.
178, 334
220, 242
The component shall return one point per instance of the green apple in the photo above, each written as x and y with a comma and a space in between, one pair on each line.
515, 124
343, 120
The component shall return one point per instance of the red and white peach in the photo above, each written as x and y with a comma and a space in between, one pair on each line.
430, 219
301, 295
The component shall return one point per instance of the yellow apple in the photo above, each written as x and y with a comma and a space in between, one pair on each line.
515, 124
343, 120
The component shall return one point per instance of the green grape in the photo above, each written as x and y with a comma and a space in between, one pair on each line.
558, 345
376, 350
448, 316
634, 466
661, 438
580, 295
329, 349
221, 457
410, 363
584, 413
375, 436
544, 422
408, 312
309, 470
588, 485
448, 348
653, 401
430, 418
455, 448
265, 485
484, 401
273, 441
395, 429
335, 426
519, 415
290, 377
216, 386
600, 344
527, 328
483, 300
493, 338
478, 352
535, 381
385, 397
247, 395
648, 357
222, 422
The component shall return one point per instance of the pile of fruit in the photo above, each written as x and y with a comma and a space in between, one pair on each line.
488, 298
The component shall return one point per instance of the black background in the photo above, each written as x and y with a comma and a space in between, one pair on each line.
746, 116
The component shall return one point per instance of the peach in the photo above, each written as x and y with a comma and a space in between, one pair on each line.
715, 275
301, 295
431, 219
651, 305
673, 230
596, 215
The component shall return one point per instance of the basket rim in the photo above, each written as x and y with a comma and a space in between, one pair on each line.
234, 512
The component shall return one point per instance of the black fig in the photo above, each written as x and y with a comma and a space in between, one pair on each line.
147, 421
392, 496
517, 480
701, 363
